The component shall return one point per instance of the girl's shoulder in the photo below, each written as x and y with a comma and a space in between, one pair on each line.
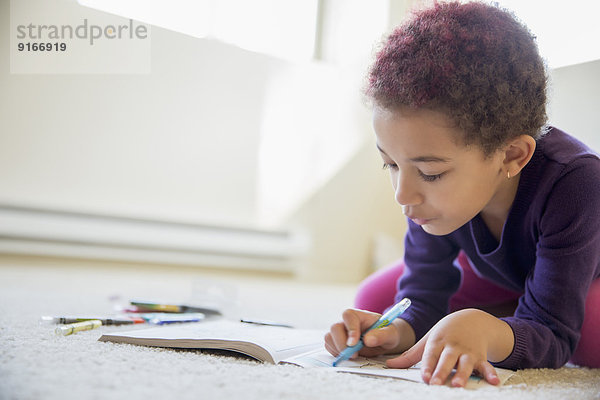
562, 148
563, 172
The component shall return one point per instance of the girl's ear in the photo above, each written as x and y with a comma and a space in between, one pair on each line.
517, 154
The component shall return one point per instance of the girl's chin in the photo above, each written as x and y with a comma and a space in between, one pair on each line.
433, 227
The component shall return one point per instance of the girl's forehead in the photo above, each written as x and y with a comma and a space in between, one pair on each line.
415, 129
424, 116
419, 135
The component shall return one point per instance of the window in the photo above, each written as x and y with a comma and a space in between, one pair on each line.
566, 31
284, 29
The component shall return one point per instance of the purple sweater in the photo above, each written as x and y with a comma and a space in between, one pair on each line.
549, 251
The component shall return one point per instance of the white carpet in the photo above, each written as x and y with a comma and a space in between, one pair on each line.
36, 364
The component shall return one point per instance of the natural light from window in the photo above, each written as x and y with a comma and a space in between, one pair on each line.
567, 31
284, 29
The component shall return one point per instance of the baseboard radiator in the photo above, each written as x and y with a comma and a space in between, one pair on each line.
44, 232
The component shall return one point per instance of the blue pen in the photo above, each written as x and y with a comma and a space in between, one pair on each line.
385, 320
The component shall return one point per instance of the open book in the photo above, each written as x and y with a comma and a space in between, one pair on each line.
273, 344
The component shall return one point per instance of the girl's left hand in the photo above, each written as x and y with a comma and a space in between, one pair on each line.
464, 340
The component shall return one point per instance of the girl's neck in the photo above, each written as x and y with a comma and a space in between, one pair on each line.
496, 212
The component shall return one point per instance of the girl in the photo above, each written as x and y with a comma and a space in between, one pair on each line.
500, 208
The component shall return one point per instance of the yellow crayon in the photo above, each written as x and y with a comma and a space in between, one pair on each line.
65, 330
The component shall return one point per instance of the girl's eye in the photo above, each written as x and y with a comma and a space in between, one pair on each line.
430, 178
425, 177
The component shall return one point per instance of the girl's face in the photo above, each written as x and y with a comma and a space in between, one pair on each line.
440, 183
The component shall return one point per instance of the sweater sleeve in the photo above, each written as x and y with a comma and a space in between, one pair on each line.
548, 319
429, 279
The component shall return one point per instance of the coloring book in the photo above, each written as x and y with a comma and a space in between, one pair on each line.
273, 344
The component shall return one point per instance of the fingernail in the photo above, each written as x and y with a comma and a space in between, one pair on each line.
350, 341
435, 381
457, 382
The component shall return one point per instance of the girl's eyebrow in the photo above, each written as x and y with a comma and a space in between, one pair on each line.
430, 159
425, 159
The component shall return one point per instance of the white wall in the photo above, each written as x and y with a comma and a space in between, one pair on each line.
182, 143
575, 101
345, 218
178, 144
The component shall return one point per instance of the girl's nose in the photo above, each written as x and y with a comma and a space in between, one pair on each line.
406, 193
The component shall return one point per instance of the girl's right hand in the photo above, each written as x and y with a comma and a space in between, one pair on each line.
394, 338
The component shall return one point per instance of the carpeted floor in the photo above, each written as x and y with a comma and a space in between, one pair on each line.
37, 364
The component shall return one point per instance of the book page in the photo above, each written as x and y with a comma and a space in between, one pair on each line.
375, 366
266, 343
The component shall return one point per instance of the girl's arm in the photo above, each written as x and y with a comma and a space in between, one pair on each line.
547, 322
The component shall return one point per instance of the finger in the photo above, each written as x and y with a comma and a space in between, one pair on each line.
330, 346
488, 372
371, 351
352, 326
332, 350
410, 357
386, 337
446, 363
356, 322
431, 355
464, 369
339, 336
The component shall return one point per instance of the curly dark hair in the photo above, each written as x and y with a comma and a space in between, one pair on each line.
474, 62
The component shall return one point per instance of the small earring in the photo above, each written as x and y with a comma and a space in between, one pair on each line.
508, 174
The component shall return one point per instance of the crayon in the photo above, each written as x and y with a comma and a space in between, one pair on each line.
68, 329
